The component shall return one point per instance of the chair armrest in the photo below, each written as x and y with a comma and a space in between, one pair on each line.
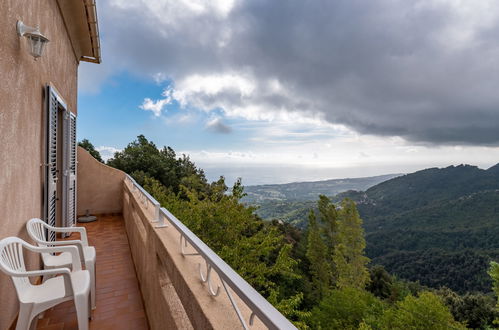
65, 272
81, 230
79, 244
43, 272
75, 257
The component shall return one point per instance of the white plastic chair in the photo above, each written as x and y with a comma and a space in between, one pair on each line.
37, 231
34, 299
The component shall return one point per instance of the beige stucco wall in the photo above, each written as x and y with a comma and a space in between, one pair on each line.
100, 187
22, 122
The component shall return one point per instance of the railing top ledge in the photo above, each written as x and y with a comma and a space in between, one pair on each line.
267, 313
151, 199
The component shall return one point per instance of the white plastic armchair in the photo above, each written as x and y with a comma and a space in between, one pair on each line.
34, 299
37, 231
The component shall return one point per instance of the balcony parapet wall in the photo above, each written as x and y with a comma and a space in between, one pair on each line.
99, 187
168, 269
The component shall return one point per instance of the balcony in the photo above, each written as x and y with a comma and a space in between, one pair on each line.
119, 300
143, 248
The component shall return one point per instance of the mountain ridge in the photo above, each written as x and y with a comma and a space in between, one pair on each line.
309, 190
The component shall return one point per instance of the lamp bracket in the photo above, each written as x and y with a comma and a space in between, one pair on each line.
22, 29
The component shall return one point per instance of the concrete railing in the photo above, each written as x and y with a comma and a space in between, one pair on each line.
178, 294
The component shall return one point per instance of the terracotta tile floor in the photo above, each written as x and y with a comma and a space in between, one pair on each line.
119, 303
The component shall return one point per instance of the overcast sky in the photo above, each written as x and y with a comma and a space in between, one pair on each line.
279, 91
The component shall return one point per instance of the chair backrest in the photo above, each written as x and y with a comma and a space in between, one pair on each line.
37, 231
12, 262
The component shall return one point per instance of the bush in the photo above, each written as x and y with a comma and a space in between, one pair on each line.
424, 312
347, 308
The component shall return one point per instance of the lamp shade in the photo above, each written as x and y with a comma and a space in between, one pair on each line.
37, 43
35, 38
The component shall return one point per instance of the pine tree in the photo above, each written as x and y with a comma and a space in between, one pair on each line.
329, 219
317, 255
348, 258
329, 230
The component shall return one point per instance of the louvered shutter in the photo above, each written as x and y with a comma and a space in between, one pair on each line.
69, 184
51, 160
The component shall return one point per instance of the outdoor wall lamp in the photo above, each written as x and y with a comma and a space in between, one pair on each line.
36, 39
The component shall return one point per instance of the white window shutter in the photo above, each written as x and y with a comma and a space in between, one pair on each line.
74, 165
70, 164
50, 206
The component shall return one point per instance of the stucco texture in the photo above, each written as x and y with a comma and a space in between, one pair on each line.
22, 121
99, 187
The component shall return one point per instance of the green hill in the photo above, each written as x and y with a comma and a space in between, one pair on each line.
438, 226
291, 202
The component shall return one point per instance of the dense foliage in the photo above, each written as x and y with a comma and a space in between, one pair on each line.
475, 310
317, 277
423, 312
437, 226
494, 274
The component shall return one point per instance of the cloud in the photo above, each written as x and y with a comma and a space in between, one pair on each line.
378, 153
157, 106
107, 152
427, 71
217, 126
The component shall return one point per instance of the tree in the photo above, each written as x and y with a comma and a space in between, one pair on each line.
348, 258
328, 216
85, 144
494, 273
476, 310
426, 312
346, 308
317, 255
453, 301
256, 250
142, 156
329, 220
380, 283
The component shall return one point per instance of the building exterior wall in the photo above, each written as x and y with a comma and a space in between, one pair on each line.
99, 187
22, 121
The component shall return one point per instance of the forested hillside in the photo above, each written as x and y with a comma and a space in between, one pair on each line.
438, 226
308, 191
292, 202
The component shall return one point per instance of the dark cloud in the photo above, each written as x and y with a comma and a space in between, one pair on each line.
427, 71
217, 126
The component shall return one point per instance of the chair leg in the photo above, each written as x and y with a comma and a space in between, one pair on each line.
89, 309
82, 310
44, 279
34, 322
24, 318
90, 266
